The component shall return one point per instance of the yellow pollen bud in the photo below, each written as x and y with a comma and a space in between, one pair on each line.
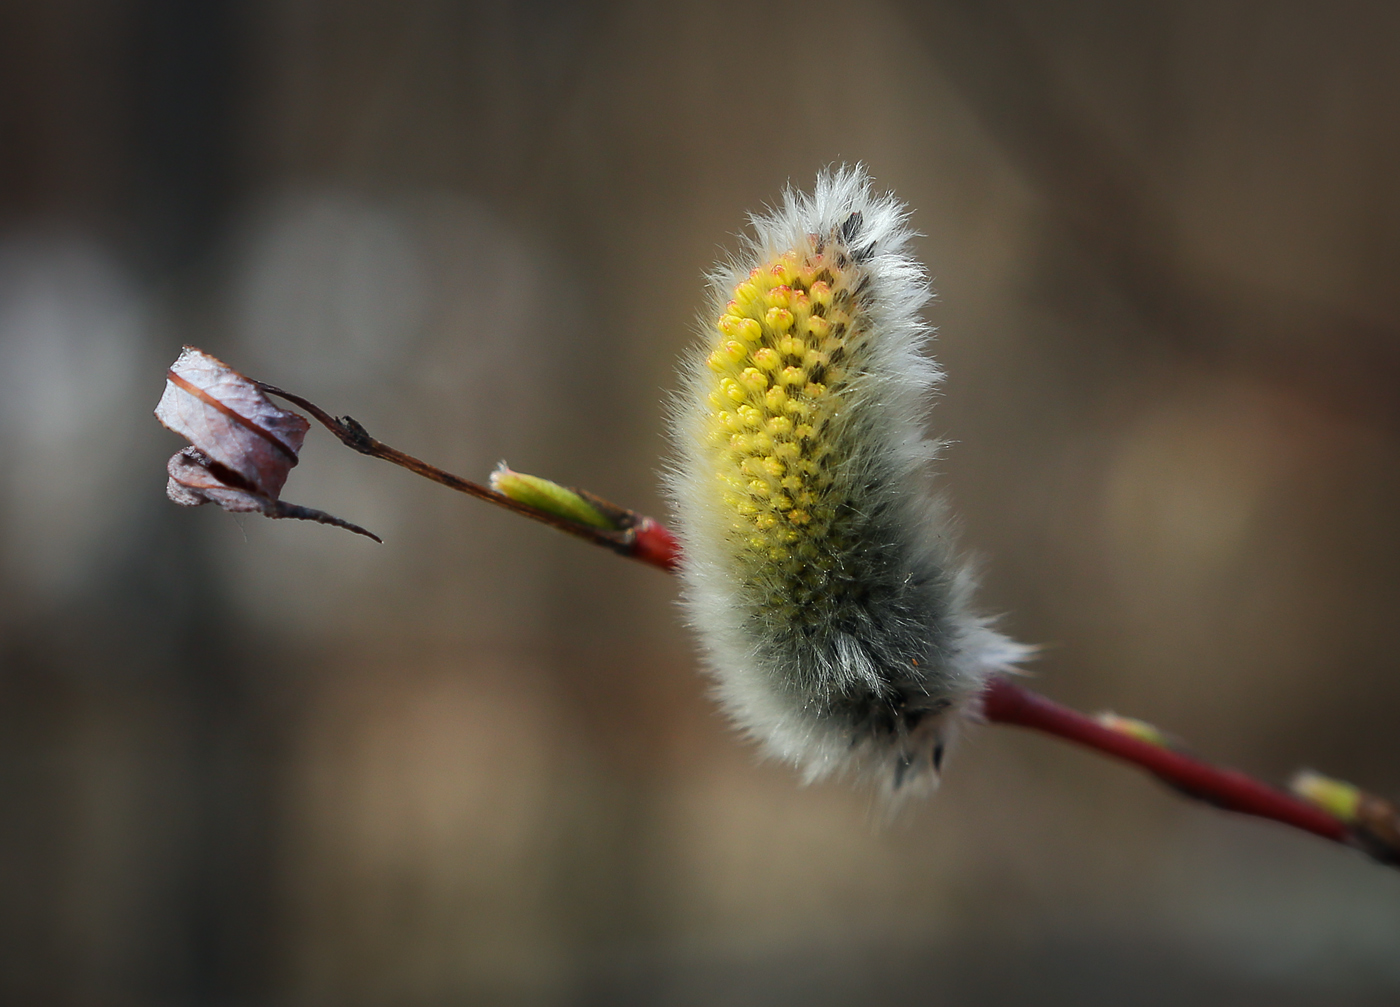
746, 295
780, 297
778, 319
773, 467
820, 292
819, 327
793, 376
767, 359
792, 346
749, 330
775, 399
753, 378
780, 426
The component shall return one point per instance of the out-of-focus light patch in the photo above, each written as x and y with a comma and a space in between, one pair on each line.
1213, 512
436, 324
425, 804
72, 391
1182, 496
756, 865
1283, 908
332, 290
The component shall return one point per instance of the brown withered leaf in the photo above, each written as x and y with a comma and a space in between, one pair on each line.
242, 447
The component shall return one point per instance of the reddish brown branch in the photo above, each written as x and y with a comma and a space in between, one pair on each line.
1007, 702
1376, 829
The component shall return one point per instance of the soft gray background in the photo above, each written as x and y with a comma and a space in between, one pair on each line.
255, 763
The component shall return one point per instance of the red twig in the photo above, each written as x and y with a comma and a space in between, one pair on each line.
1006, 702
1376, 829
655, 544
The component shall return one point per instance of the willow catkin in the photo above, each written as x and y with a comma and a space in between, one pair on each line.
819, 568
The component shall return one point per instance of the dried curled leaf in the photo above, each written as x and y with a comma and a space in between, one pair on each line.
242, 446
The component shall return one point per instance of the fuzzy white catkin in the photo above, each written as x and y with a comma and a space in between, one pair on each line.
819, 568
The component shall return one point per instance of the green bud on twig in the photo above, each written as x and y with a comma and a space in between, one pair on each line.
1139, 729
1333, 796
549, 497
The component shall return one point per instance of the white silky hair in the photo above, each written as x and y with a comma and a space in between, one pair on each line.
891, 659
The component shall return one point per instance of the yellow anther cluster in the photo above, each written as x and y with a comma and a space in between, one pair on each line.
778, 358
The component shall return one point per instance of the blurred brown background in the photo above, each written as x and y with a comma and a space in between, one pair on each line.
254, 763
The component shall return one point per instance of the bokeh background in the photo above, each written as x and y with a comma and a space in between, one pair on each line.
246, 762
